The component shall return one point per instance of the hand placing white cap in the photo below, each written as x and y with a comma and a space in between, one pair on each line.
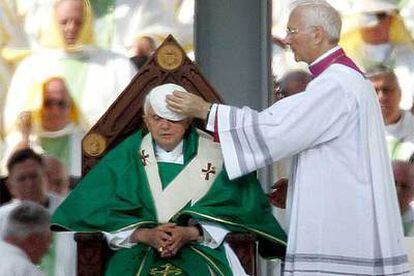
157, 99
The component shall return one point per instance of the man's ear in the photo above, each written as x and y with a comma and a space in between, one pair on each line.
144, 119
319, 35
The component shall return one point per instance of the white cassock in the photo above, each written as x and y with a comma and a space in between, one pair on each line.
64, 244
95, 78
14, 261
400, 137
344, 216
214, 234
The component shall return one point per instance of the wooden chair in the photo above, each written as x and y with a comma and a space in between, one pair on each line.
169, 64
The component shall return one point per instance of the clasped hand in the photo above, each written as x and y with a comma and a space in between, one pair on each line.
166, 238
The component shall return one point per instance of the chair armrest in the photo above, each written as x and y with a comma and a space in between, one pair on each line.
245, 247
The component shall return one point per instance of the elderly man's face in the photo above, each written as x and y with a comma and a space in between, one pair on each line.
27, 181
389, 95
299, 36
404, 182
55, 113
69, 15
167, 134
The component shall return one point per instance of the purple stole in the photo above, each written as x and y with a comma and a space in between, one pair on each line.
338, 56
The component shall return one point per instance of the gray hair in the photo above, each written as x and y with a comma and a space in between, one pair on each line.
320, 13
380, 69
27, 218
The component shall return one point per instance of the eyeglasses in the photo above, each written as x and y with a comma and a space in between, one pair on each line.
291, 31
62, 104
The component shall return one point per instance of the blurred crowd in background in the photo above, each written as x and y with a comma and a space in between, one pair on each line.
63, 63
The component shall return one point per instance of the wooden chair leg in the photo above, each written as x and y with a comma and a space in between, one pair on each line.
92, 250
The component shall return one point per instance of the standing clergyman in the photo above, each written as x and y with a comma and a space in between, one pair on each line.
344, 217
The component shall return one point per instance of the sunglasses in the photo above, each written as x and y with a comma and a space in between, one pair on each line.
381, 15
62, 104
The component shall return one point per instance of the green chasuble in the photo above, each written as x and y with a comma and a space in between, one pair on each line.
116, 195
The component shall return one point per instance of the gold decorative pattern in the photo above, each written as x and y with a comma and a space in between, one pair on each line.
166, 270
94, 144
169, 57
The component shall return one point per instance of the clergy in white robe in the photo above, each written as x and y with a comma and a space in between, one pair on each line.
95, 77
343, 211
51, 124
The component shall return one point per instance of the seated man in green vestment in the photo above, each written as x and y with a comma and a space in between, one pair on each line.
165, 203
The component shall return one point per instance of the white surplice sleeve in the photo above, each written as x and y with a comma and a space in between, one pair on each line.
119, 239
213, 233
251, 140
211, 117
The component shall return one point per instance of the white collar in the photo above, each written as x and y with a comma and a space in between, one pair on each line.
175, 156
324, 55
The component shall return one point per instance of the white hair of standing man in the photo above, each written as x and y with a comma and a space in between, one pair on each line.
26, 219
320, 13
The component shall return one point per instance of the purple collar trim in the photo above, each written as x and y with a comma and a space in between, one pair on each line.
336, 57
